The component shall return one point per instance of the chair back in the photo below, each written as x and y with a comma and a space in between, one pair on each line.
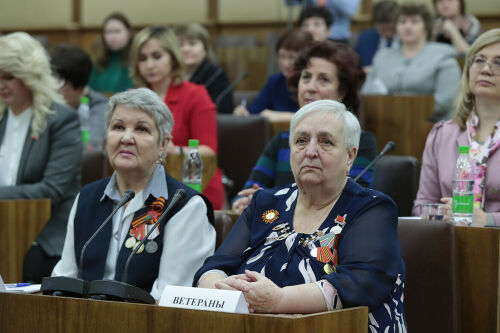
397, 176
241, 141
224, 221
431, 299
94, 166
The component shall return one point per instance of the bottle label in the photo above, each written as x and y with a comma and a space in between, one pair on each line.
463, 204
86, 136
196, 187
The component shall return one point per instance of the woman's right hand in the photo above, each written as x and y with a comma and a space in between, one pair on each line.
447, 201
240, 204
240, 110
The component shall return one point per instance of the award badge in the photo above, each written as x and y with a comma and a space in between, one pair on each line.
142, 224
269, 216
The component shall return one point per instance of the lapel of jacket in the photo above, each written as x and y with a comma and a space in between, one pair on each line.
28, 145
3, 125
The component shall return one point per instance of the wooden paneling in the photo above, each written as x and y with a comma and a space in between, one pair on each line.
402, 119
36, 313
478, 253
22, 221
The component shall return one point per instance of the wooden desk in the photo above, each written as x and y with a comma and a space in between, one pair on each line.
38, 313
22, 221
173, 165
402, 119
479, 276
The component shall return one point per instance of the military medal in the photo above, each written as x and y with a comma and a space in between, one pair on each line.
130, 242
142, 224
329, 269
139, 251
151, 247
269, 216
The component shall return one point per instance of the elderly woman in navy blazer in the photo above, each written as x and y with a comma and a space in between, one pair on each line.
138, 131
40, 145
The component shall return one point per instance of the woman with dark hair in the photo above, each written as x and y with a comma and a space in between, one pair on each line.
275, 100
327, 70
475, 124
111, 72
201, 66
418, 67
454, 26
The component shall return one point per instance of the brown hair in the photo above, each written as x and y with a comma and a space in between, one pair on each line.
414, 9
167, 41
294, 40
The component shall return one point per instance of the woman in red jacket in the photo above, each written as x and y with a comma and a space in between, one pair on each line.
156, 63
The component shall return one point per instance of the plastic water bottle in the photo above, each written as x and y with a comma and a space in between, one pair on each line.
463, 187
84, 114
192, 167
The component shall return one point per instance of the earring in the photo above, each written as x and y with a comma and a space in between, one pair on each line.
161, 158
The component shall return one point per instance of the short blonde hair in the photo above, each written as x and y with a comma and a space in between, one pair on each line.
25, 58
465, 100
197, 31
167, 40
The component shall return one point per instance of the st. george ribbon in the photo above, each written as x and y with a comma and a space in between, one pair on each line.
77, 287
122, 291
388, 147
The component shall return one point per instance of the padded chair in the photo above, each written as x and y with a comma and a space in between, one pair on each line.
224, 221
397, 176
431, 292
241, 141
94, 166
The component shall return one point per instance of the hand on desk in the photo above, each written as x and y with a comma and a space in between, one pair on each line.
261, 294
478, 216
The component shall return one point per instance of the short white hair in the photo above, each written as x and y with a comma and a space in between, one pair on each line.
148, 101
351, 129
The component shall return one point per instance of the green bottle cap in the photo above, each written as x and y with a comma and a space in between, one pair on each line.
84, 100
463, 149
193, 143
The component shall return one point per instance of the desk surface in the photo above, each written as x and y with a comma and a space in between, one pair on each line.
38, 313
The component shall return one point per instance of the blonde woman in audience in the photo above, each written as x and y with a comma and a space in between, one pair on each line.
476, 124
110, 73
201, 67
275, 100
156, 62
419, 67
454, 26
40, 145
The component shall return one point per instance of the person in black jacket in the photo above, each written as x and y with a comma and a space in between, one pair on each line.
201, 67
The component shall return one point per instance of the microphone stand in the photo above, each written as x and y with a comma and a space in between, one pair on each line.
388, 147
121, 291
77, 287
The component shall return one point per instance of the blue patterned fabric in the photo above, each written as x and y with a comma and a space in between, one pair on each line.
370, 269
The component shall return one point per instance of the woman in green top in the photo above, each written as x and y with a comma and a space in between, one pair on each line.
110, 73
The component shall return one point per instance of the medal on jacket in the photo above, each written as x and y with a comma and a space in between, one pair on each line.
269, 216
142, 224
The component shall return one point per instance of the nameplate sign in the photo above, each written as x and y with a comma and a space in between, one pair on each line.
204, 299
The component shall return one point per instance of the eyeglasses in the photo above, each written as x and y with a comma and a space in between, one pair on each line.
477, 63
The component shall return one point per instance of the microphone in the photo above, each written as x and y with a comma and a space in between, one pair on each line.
127, 196
121, 290
388, 147
230, 87
77, 287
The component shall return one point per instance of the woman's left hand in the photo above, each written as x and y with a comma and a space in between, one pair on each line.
449, 28
261, 294
478, 217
